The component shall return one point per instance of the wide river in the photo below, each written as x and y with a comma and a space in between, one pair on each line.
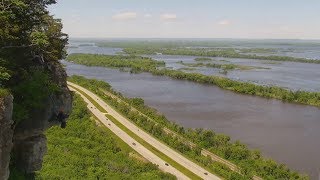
288, 133
291, 75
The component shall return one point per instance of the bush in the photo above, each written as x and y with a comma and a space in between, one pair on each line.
86, 151
31, 93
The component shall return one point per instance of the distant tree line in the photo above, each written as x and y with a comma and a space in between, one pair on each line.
142, 64
225, 67
227, 53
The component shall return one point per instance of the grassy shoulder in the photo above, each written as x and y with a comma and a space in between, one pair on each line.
154, 129
91, 100
164, 157
249, 161
136, 65
154, 150
85, 150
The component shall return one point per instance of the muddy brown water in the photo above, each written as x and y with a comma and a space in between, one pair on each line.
288, 133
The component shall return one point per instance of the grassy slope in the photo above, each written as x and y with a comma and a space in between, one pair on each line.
86, 151
144, 143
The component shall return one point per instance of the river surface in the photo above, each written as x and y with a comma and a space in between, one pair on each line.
290, 75
288, 133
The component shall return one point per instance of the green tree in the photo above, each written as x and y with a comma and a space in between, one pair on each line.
30, 39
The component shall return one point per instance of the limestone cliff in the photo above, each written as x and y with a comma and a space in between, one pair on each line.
28, 139
6, 134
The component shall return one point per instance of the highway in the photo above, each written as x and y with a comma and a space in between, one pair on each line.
151, 157
204, 152
191, 166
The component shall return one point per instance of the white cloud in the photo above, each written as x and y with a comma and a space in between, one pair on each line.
168, 17
148, 16
224, 22
125, 16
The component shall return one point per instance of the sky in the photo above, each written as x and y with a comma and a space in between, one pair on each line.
252, 19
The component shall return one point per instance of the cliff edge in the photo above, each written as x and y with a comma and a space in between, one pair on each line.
6, 134
26, 141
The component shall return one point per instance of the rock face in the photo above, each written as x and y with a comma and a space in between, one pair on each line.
6, 134
26, 141
29, 139
29, 153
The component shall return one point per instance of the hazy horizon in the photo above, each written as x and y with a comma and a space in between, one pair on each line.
247, 19
187, 38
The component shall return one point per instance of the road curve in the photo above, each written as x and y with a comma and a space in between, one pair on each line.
151, 157
191, 166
